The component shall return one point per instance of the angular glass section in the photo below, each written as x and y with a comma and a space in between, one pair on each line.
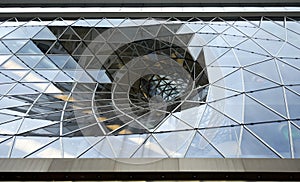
150, 88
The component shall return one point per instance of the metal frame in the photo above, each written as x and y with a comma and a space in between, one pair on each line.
149, 169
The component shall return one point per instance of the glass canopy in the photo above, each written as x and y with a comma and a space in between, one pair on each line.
150, 88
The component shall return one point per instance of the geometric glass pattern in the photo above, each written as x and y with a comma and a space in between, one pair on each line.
150, 88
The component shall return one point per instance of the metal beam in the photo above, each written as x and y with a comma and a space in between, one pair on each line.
150, 169
146, 3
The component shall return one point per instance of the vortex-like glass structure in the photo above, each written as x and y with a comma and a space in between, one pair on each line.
150, 88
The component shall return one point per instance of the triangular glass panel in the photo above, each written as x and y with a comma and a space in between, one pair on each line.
82, 31
261, 34
57, 30
295, 88
268, 96
5, 30
227, 59
293, 38
279, 130
118, 37
232, 107
33, 77
207, 29
69, 34
4, 49
296, 140
175, 143
104, 149
233, 31
143, 34
48, 74
267, 69
129, 32
127, 22
50, 130
45, 63
292, 62
44, 45
217, 93
214, 118
92, 153
218, 42
70, 46
20, 89
289, 74
246, 58
226, 139
59, 60
6, 117
81, 23
82, 50
31, 60
15, 75
4, 88
94, 35
150, 149
232, 81
274, 28
24, 146
29, 48
234, 40
172, 124
289, 51
5, 79
293, 102
192, 115
14, 45
58, 22
116, 22
194, 27
92, 22
104, 23
185, 29
254, 82
195, 52
256, 113
152, 29
7, 102
14, 63
11, 128
3, 58
32, 124
57, 48
251, 147
52, 150
269, 45
99, 75
200, 148
74, 146
125, 145
44, 34
5, 148
71, 64
211, 56
252, 47
247, 30
164, 31
23, 32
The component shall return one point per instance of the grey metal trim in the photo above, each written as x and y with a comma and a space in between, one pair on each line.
149, 165
71, 12
144, 3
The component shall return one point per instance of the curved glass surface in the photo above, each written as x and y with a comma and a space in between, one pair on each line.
150, 88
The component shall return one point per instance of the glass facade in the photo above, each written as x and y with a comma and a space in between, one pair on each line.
150, 88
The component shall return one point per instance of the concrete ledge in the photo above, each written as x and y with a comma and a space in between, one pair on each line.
149, 165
